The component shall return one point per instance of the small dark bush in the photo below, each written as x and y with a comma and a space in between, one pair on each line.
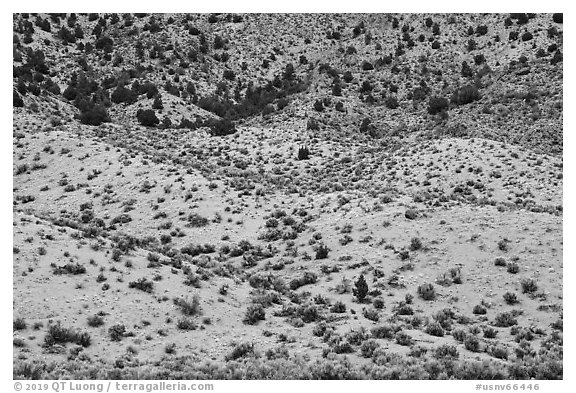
505, 319
189, 307
19, 324
254, 313
427, 292
472, 343
322, 252
510, 298
117, 332
528, 285
147, 117
95, 321
303, 153
434, 329
186, 324
465, 95
360, 289
60, 335
558, 18
479, 309
142, 284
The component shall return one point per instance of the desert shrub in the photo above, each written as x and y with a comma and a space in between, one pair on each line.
557, 58
306, 279
254, 313
186, 324
500, 261
528, 285
196, 220
57, 334
308, 313
490, 332
188, 307
70, 268
498, 351
105, 43
403, 308
391, 102
123, 95
147, 117
94, 116
415, 244
426, 291
434, 329
367, 66
505, 319
402, 338
142, 284
322, 252
371, 314
526, 36
465, 95
378, 303
360, 289
437, 105
479, 309
481, 30
472, 343
19, 324
312, 124
338, 307
384, 331
512, 267
368, 347
558, 18
95, 321
459, 335
197, 249
157, 104
510, 298
446, 351
117, 332
240, 351
303, 153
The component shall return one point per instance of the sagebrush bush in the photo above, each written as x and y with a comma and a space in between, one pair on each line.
472, 343
95, 321
117, 332
465, 95
142, 284
505, 319
57, 334
510, 298
240, 351
322, 252
528, 285
384, 331
434, 329
147, 117
186, 324
426, 291
437, 105
404, 339
19, 324
446, 351
254, 314
187, 306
